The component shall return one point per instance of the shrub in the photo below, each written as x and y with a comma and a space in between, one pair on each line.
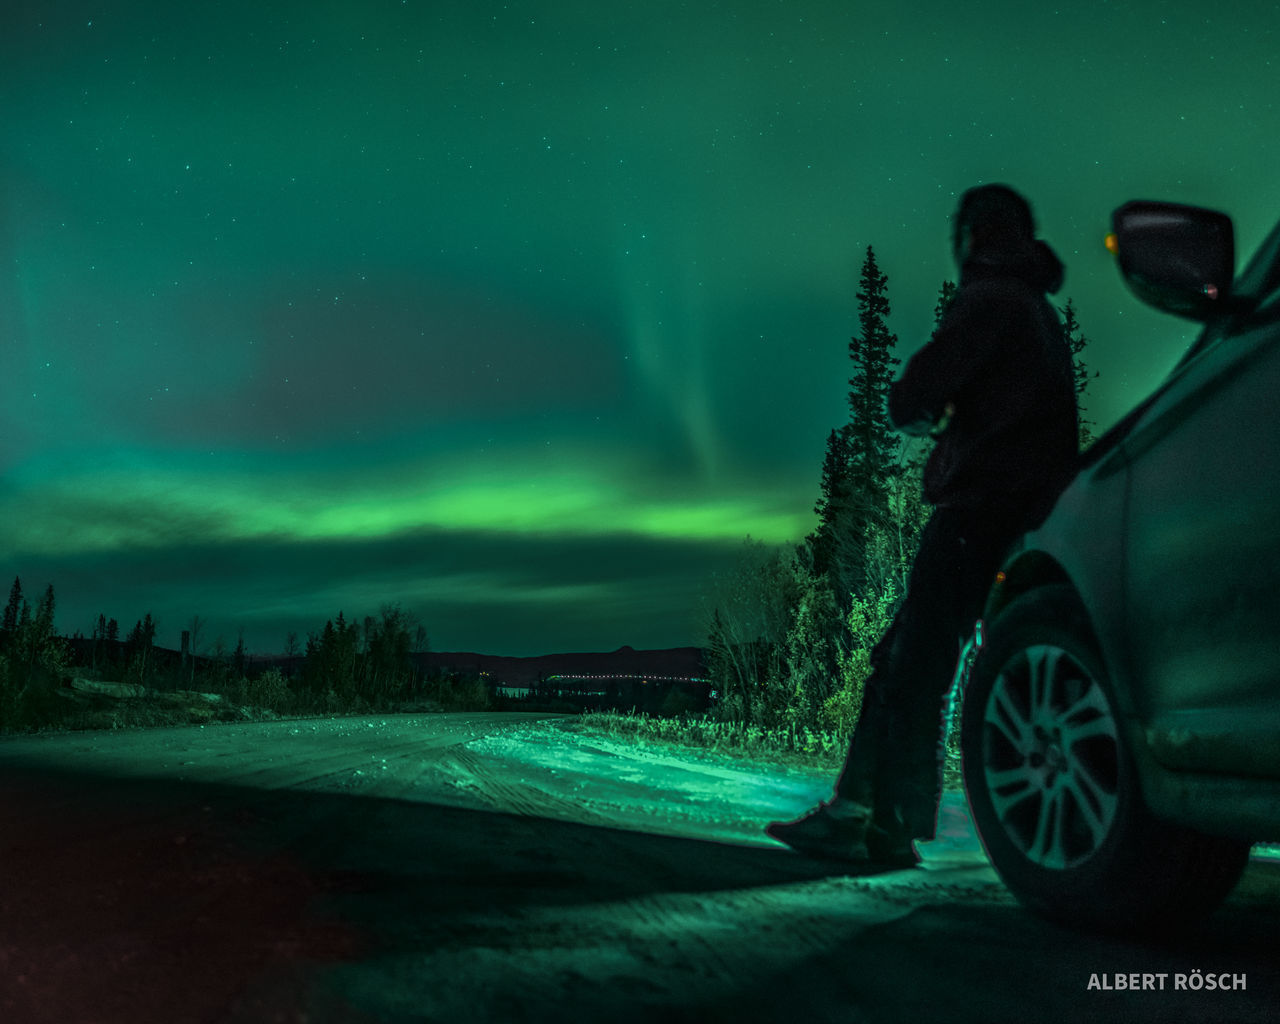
269, 690
866, 622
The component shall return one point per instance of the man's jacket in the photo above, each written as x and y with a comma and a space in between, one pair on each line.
1000, 359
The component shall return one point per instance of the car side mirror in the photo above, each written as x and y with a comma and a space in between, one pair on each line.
1180, 259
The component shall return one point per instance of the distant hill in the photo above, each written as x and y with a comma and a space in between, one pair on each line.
668, 663
674, 663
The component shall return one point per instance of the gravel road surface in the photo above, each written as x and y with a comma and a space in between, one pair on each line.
507, 868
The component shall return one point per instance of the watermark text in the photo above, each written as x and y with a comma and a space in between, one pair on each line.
1162, 981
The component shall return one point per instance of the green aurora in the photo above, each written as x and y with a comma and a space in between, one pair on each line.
525, 315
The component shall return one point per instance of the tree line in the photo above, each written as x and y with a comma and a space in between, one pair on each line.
346, 665
791, 629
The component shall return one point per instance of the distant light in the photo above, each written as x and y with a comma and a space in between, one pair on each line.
1211, 290
1113, 244
1000, 577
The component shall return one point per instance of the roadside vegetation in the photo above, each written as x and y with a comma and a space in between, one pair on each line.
709, 732
50, 682
803, 748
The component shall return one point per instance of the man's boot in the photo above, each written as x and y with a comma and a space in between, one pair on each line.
837, 830
891, 843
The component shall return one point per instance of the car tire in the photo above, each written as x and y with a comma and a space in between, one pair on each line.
1052, 786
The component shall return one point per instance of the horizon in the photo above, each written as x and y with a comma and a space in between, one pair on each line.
253, 656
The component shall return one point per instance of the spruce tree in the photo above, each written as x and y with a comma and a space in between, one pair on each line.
832, 505
23, 634
45, 608
138, 647
11, 610
946, 296
861, 457
873, 446
1076, 342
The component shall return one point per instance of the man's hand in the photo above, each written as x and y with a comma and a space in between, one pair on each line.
944, 420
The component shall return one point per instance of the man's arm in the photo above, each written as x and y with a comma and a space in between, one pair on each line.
923, 399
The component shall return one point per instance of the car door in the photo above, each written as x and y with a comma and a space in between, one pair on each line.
1202, 559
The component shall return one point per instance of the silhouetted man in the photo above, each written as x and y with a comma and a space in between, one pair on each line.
995, 386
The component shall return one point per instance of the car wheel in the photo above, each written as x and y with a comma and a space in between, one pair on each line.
1052, 785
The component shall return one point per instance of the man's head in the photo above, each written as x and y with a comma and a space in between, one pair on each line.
991, 217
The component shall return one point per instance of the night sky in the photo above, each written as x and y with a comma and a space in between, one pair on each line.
524, 315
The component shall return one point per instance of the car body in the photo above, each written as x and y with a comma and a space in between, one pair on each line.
1121, 730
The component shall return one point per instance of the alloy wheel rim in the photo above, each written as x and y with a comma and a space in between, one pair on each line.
1050, 757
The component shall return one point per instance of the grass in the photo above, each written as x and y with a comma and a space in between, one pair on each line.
800, 747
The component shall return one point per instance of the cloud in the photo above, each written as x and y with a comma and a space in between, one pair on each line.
472, 590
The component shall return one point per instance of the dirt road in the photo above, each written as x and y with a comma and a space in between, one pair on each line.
498, 868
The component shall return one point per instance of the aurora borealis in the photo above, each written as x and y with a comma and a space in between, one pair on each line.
524, 315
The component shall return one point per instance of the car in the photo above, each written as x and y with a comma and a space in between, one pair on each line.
1120, 728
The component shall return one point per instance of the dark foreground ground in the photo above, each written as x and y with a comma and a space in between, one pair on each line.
492, 868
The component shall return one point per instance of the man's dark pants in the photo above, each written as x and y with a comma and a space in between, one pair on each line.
895, 758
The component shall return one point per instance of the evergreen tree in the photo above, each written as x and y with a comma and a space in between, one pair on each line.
1076, 342
138, 647
194, 629
330, 663
873, 446
292, 648
388, 671
12, 610
142, 634
862, 456
106, 642
833, 499
946, 296
99, 638
42, 644
44, 613
346, 639
24, 631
